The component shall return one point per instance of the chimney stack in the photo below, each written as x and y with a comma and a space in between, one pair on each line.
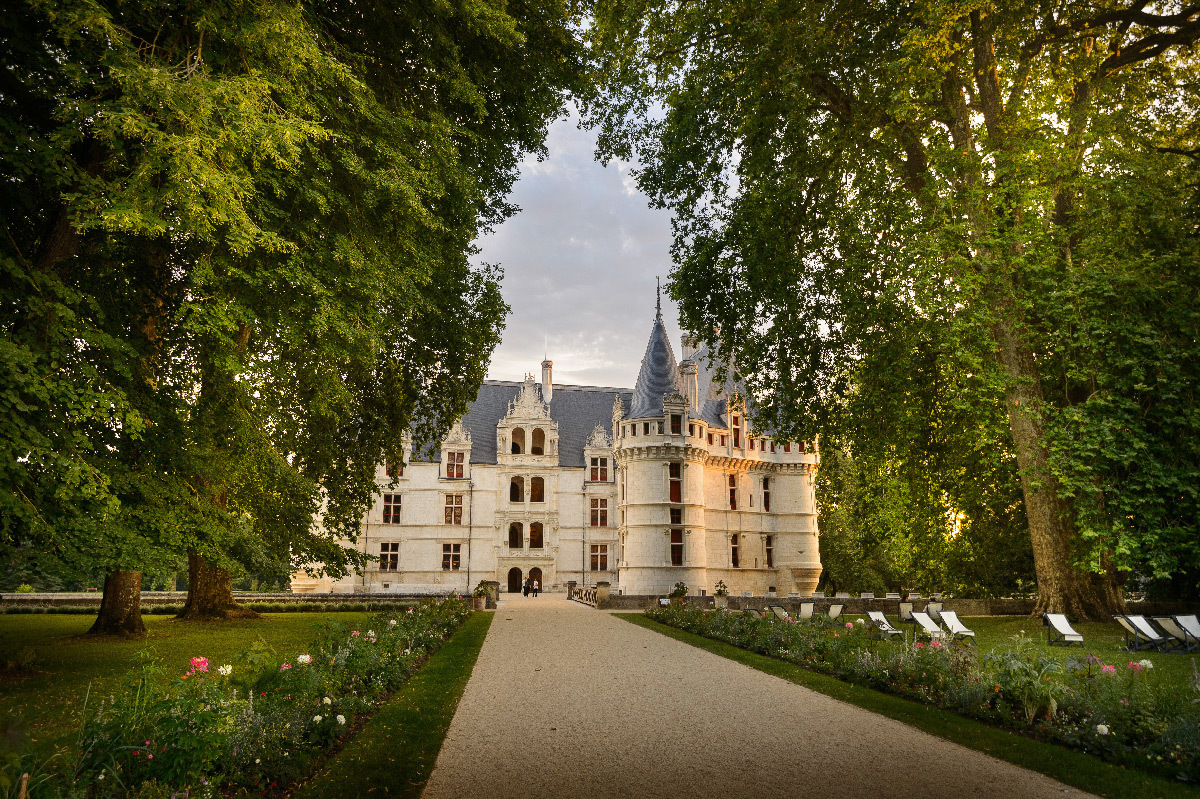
547, 380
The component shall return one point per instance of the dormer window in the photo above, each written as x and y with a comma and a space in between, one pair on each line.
518, 441
394, 470
454, 464
537, 446
599, 470
737, 430
676, 424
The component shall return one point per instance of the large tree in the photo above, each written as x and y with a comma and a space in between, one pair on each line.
838, 167
237, 265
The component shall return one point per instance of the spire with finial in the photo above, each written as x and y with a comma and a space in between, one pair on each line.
658, 301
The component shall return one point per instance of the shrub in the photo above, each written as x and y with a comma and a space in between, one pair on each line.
25, 588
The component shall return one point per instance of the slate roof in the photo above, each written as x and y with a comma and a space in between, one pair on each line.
658, 377
576, 409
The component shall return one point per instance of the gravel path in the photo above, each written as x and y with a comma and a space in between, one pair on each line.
567, 701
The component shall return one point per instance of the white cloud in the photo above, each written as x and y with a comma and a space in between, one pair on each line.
579, 266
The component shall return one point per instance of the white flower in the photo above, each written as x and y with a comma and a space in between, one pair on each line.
304, 660
370, 633
341, 719
225, 670
257, 760
1145, 664
327, 701
391, 623
317, 719
100, 777
1102, 729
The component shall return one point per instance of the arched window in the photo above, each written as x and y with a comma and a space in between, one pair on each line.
537, 444
515, 536
518, 440
535, 535
516, 490
537, 490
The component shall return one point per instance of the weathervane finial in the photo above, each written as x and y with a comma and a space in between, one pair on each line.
658, 301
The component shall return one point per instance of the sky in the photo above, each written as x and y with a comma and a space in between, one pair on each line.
579, 260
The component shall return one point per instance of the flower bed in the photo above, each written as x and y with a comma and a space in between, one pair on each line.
1114, 711
253, 725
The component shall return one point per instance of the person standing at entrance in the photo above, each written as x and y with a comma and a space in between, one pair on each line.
536, 587
525, 587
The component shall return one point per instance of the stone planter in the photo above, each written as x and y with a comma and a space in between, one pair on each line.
479, 603
720, 601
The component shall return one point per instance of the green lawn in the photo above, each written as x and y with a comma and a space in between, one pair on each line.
50, 699
394, 754
1077, 769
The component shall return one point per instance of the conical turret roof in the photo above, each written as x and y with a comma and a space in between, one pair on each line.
658, 377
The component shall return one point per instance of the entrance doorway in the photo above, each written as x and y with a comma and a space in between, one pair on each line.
536, 574
514, 580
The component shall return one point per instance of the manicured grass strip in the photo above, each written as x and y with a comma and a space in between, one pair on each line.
394, 753
1079, 770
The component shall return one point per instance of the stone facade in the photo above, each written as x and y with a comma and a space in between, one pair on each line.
640, 489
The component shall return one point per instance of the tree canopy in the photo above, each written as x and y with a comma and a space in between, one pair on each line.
963, 228
236, 271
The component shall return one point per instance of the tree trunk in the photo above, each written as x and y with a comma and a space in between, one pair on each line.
210, 593
1062, 588
120, 606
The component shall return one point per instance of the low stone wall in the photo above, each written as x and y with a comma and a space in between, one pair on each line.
963, 607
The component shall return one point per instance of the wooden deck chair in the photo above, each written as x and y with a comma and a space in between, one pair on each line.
835, 612
1183, 640
1190, 624
780, 613
955, 627
906, 613
806, 610
929, 626
1139, 634
1059, 630
881, 623
934, 609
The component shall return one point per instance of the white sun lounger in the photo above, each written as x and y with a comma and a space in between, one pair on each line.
1059, 630
906, 609
780, 612
930, 626
882, 624
934, 609
1189, 623
835, 611
806, 610
955, 626
1139, 634
1184, 641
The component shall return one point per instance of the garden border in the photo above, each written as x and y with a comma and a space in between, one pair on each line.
1077, 769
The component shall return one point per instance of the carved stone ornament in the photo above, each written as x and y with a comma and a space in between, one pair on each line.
675, 398
599, 438
458, 435
618, 409
528, 403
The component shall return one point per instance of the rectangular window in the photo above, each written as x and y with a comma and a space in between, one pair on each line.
599, 513
675, 475
454, 509
733, 551
599, 557
632, 430
660, 428
770, 552
732, 492
676, 424
394, 470
787, 447
710, 439
676, 517
454, 464
772, 446
645, 428
450, 557
391, 508
676, 547
599, 470
762, 445
691, 431
389, 556
767, 494
723, 440
737, 430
